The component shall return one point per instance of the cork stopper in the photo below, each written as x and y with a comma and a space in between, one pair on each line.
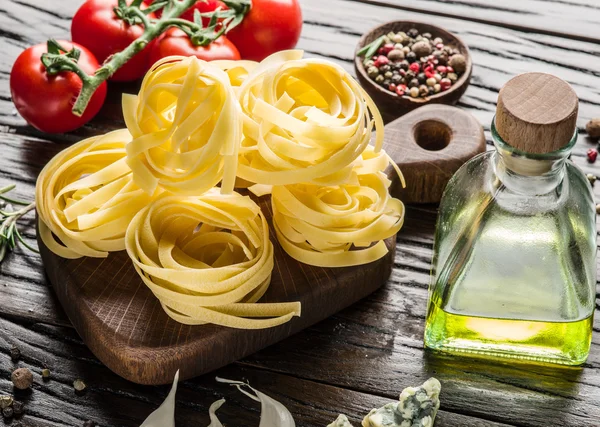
537, 113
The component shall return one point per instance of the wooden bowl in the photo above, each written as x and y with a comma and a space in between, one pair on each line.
390, 104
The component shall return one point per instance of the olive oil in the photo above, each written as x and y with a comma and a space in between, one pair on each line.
514, 260
565, 343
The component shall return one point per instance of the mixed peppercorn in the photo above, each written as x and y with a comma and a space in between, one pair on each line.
412, 64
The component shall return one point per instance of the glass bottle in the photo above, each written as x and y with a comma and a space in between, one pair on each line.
514, 266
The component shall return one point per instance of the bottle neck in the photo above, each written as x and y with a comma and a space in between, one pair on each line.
527, 173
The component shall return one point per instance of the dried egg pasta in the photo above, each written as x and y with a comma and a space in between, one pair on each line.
208, 259
86, 197
342, 225
305, 120
186, 126
237, 71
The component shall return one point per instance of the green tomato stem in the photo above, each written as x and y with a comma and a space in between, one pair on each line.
152, 30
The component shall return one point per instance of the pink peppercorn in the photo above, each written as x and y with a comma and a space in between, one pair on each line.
592, 154
381, 60
387, 48
392, 87
399, 92
442, 69
445, 84
449, 69
439, 46
414, 67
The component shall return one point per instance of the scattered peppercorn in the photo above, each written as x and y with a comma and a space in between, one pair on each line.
591, 178
22, 378
18, 408
15, 353
6, 401
592, 154
413, 60
593, 128
89, 423
7, 412
79, 385
45, 374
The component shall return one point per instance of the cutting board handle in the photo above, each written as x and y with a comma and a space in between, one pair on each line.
429, 144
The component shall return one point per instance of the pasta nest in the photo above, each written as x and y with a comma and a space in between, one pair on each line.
186, 126
86, 197
208, 259
342, 225
237, 70
305, 121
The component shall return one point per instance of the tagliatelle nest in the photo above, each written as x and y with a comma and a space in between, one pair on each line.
305, 120
342, 225
208, 259
186, 127
86, 197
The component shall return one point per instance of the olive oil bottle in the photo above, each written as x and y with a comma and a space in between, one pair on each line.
514, 268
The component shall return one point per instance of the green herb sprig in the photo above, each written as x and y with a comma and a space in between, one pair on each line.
9, 230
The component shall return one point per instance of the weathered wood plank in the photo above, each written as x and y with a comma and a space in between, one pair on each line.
112, 401
576, 19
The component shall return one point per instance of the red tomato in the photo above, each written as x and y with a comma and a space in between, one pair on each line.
176, 42
270, 26
46, 101
203, 6
97, 27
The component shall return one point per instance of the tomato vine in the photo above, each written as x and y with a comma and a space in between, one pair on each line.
58, 59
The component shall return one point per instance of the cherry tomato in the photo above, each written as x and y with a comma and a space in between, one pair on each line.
270, 26
46, 101
97, 27
176, 42
203, 6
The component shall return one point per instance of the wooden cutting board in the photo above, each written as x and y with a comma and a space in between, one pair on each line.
125, 327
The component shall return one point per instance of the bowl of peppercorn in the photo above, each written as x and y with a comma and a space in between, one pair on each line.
403, 65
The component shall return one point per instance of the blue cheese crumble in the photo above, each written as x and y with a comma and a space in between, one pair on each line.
417, 407
341, 421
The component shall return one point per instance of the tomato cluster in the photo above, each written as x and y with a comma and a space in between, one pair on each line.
97, 31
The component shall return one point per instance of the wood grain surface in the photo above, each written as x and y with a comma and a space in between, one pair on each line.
364, 355
124, 325
430, 144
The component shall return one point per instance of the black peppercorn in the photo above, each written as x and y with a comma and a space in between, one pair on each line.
384, 68
431, 90
422, 78
413, 83
386, 82
7, 412
411, 57
18, 407
396, 79
404, 65
410, 74
440, 57
15, 353
413, 32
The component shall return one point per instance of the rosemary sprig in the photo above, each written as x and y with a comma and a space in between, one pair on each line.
9, 217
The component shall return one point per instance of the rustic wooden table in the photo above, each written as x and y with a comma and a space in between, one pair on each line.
362, 357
